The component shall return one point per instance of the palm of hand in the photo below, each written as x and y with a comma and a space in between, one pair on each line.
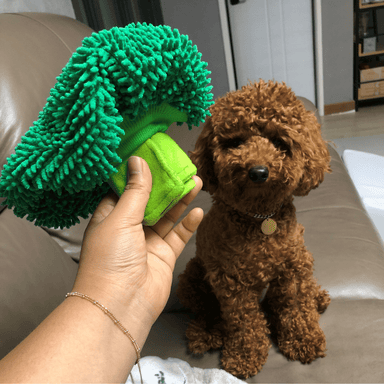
118, 250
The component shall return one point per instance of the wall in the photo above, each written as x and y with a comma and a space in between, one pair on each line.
199, 19
337, 18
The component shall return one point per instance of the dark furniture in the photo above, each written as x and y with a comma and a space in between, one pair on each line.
368, 52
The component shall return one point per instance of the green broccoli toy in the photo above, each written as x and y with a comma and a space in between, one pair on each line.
118, 94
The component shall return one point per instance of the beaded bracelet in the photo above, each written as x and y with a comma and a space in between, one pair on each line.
113, 318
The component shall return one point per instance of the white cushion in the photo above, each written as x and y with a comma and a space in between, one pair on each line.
367, 173
375, 209
371, 191
365, 169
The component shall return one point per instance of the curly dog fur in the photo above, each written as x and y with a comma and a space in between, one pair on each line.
259, 148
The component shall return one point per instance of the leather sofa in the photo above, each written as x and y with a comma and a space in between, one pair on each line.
38, 265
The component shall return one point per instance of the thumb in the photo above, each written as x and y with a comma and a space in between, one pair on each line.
132, 203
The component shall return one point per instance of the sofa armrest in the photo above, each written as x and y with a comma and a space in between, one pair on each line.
35, 275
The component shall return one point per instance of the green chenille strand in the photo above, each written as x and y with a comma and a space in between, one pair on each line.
59, 171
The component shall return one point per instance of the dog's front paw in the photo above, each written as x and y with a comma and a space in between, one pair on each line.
245, 360
322, 299
305, 347
238, 365
201, 340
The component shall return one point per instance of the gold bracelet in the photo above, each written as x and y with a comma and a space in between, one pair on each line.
113, 318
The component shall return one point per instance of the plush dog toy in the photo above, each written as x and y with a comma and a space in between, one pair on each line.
118, 94
259, 148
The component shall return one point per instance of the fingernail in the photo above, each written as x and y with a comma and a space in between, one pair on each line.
134, 165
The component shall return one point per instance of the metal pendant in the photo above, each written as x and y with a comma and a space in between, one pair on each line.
268, 226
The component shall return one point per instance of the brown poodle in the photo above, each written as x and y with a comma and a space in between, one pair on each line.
258, 149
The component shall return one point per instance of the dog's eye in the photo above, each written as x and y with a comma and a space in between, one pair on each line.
234, 143
278, 143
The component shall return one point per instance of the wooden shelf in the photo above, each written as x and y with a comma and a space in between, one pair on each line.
369, 89
374, 5
361, 54
371, 97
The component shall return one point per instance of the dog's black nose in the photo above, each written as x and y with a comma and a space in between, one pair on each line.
258, 174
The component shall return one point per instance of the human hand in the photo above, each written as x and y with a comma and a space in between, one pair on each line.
123, 261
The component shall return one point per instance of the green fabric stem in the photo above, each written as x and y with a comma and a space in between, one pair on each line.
171, 171
170, 167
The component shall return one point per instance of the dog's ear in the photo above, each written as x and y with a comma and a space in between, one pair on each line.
202, 157
315, 154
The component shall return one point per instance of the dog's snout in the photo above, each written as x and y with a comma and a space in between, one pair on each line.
258, 174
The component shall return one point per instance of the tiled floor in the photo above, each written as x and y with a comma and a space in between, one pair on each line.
361, 131
368, 121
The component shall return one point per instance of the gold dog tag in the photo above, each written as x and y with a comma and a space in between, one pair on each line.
268, 226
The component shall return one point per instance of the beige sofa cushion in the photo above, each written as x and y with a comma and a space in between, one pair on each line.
35, 275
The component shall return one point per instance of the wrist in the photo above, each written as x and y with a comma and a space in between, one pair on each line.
126, 305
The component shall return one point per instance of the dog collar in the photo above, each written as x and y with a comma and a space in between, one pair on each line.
268, 226
258, 216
